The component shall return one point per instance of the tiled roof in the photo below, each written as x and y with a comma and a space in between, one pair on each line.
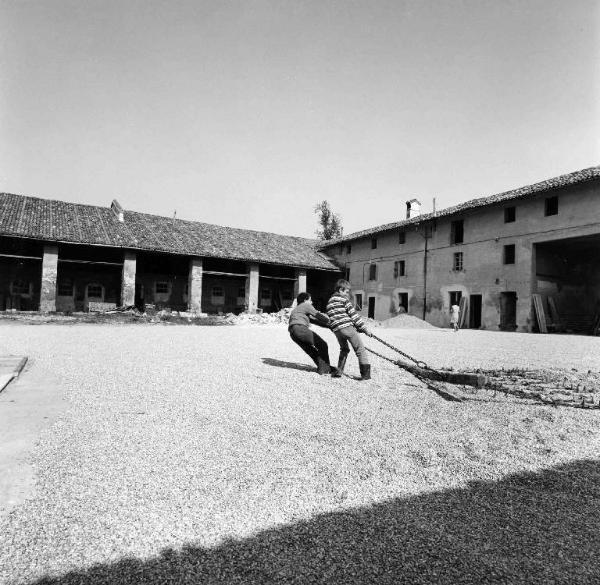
58, 221
530, 190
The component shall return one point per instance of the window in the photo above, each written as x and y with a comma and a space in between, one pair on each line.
95, 291
372, 271
65, 287
509, 254
402, 237
457, 230
399, 268
551, 206
510, 214
161, 287
373, 243
348, 248
358, 301
217, 295
458, 261
20, 287
347, 273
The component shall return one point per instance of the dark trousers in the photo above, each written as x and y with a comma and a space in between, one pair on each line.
315, 347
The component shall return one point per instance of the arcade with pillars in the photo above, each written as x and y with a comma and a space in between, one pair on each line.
36, 275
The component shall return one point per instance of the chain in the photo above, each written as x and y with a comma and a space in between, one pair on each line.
419, 363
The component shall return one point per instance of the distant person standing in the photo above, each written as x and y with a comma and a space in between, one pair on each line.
454, 316
346, 324
298, 327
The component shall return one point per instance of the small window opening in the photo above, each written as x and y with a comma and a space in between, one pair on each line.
458, 261
399, 268
457, 232
65, 288
510, 214
509, 254
551, 206
358, 301
95, 291
161, 287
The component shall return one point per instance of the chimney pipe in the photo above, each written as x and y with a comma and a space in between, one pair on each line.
413, 208
118, 210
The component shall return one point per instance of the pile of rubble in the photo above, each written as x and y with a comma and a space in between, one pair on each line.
282, 316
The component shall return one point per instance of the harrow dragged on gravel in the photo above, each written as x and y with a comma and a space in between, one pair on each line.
554, 387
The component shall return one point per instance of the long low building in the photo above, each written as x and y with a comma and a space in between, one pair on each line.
59, 256
526, 259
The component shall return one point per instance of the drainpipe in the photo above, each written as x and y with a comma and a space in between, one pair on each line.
426, 234
425, 277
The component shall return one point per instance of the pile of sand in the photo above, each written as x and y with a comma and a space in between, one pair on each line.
405, 321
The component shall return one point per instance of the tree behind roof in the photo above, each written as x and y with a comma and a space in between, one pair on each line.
330, 224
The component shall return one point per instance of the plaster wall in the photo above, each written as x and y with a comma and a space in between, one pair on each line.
483, 271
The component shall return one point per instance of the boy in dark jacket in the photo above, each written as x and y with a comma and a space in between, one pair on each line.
298, 327
346, 324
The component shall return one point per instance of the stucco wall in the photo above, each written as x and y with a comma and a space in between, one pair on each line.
485, 235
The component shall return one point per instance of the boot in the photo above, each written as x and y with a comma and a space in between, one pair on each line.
341, 365
365, 371
322, 367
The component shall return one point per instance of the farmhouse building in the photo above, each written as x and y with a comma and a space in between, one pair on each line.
526, 260
58, 256
511, 259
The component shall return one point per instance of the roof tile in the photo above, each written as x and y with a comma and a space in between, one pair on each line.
33, 217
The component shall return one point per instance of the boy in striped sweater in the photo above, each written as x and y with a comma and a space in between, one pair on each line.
346, 324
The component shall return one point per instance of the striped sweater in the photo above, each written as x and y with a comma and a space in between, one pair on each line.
341, 313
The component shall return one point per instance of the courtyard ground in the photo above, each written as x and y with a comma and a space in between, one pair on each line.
217, 455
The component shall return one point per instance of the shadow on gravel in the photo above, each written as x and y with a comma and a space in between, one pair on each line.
291, 365
527, 528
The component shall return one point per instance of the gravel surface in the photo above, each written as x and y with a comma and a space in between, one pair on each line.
218, 455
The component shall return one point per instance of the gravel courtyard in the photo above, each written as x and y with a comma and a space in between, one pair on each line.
217, 455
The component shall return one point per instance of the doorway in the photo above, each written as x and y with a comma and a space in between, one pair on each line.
403, 302
371, 313
475, 302
508, 311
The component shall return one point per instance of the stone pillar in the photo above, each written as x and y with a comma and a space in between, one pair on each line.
49, 273
195, 286
252, 288
300, 284
128, 279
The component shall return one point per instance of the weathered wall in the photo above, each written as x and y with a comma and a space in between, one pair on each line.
485, 235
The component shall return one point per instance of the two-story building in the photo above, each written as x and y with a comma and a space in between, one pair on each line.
495, 253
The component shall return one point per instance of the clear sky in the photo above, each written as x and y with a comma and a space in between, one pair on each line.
247, 113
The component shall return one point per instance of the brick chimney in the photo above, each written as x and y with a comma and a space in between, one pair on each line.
413, 208
117, 210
